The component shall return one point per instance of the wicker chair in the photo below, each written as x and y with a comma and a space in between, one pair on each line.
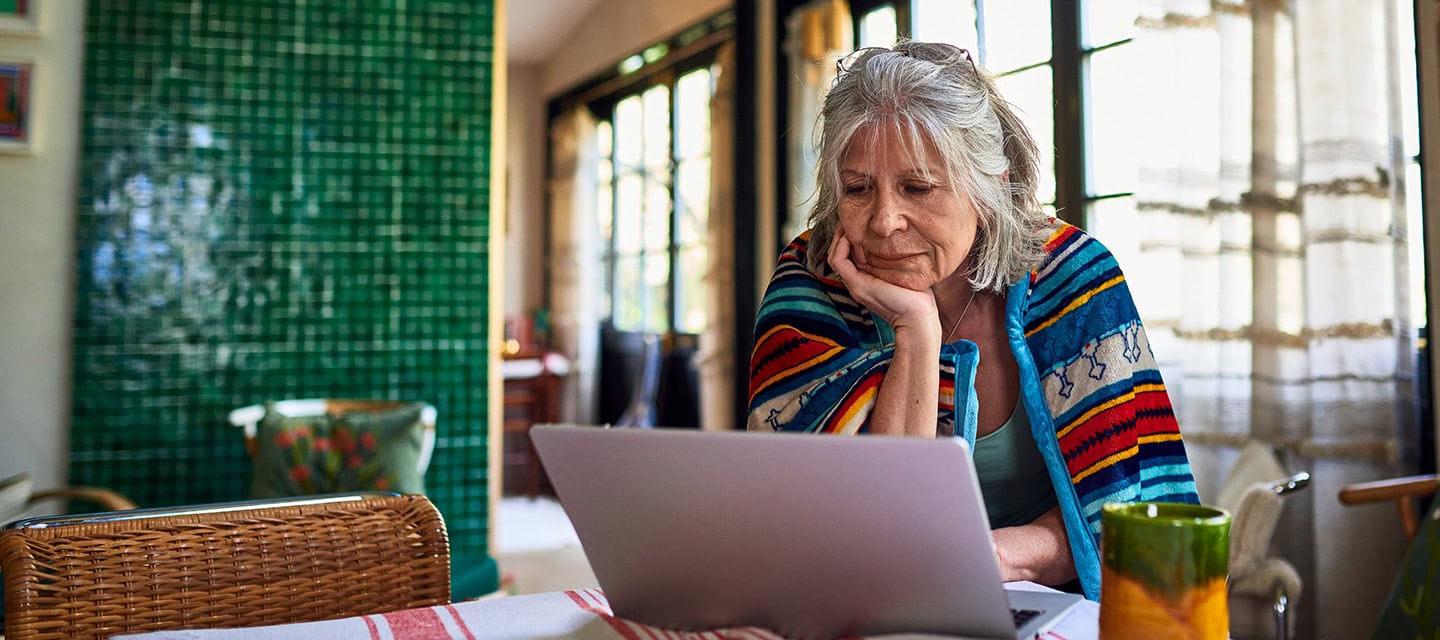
18, 494
227, 565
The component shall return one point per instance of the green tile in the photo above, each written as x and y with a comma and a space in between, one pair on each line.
243, 163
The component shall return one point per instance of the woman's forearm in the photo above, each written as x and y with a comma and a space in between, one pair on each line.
1038, 552
907, 401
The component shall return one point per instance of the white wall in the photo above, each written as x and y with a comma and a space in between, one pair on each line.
525, 173
614, 29
37, 246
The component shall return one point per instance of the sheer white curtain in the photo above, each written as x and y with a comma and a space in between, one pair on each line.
573, 255
1274, 255
816, 36
715, 360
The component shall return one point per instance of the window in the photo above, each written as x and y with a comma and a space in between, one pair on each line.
652, 179
1089, 159
653, 195
1011, 39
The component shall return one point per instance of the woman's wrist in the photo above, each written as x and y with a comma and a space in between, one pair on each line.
918, 333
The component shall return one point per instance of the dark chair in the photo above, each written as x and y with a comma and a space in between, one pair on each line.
1406, 492
1412, 609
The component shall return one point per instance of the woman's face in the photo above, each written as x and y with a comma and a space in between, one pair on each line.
906, 225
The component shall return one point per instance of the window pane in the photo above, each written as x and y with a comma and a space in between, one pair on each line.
657, 127
1416, 235
604, 183
877, 28
606, 285
1409, 87
692, 114
1107, 21
657, 293
626, 300
1029, 91
657, 217
628, 132
694, 200
1110, 96
604, 171
951, 21
628, 209
604, 209
691, 293
1017, 33
604, 137
604, 201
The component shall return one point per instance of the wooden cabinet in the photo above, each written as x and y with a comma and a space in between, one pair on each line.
531, 398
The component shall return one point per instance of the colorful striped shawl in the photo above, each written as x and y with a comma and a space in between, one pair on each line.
1098, 408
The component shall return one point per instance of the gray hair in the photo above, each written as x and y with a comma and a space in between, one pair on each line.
935, 92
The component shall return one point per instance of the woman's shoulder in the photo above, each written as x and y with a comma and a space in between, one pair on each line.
796, 285
794, 261
1070, 250
798, 248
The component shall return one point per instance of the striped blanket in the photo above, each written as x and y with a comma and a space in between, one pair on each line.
1100, 414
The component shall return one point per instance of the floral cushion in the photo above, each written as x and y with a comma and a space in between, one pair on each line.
359, 450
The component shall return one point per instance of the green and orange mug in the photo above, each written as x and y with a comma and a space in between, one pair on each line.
1163, 571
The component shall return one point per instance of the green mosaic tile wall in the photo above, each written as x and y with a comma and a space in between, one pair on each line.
280, 200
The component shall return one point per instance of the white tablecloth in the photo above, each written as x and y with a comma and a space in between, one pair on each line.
578, 615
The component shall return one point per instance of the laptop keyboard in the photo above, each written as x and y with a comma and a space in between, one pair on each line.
1023, 616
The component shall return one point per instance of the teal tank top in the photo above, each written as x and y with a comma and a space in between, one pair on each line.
1013, 479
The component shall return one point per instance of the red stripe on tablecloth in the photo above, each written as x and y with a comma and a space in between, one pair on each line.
616, 624
594, 601
1052, 634
374, 630
416, 624
583, 603
465, 629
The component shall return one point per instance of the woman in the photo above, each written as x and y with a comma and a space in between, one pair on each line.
933, 297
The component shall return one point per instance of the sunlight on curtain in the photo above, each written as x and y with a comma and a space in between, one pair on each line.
715, 359
1269, 246
815, 37
574, 252
1289, 312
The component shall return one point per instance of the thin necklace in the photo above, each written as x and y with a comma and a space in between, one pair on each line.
962, 317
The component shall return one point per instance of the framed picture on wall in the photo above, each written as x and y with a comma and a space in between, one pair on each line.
16, 110
17, 17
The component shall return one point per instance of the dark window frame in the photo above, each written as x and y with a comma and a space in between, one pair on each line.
691, 49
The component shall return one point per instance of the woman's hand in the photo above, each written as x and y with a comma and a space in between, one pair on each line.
1038, 552
906, 403
902, 308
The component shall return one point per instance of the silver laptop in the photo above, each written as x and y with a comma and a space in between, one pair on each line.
809, 536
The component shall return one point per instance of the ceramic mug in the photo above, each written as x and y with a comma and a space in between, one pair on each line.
1163, 571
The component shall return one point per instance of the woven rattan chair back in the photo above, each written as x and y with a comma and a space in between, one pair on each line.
234, 565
